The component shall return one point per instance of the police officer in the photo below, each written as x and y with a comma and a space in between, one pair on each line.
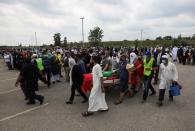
28, 76
39, 64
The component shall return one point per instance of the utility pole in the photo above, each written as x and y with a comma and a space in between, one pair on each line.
141, 35
35, 39
82, 18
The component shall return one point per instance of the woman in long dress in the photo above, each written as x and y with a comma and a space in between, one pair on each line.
97, 100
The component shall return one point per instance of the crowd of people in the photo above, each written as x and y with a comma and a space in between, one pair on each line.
137, 68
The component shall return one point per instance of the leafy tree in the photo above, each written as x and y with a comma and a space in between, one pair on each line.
193, 36
168, 38
65, 42
71, 44
57, 39
186, 38
179, 37
125, 41
51, 45
95, 35
20, 45
159, 38
175, 42
136, 43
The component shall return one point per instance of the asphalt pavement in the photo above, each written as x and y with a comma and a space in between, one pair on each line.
55, 115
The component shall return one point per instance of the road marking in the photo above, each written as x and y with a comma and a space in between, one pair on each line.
24, 112
8, 79
5, 92
8, 73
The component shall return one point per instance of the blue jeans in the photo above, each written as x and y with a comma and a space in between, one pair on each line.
147, 86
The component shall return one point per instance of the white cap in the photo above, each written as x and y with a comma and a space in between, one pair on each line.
165, 56
34, 55
166, 49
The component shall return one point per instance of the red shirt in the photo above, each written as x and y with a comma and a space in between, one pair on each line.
141, 69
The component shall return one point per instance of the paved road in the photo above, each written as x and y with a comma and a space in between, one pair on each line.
55, 115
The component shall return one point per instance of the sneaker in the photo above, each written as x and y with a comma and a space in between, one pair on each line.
159, 103
171, 99
69, 102
41, 100
152, 94
31, 103
48, 84
26, 98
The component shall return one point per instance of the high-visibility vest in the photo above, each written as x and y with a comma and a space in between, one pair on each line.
148, 65
39, 64
59, 57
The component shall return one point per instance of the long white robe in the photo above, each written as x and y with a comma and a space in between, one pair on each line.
71, 64
167, 74
174, 53
97, 98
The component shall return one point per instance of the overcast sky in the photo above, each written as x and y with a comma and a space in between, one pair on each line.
120, 19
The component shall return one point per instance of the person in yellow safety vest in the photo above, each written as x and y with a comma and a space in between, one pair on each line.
149, 67
39, 63
59, 57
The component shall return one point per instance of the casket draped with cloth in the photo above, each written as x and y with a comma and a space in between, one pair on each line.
87, 82
109, 79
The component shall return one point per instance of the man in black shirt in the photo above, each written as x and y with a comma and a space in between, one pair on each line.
77, 79
27, 78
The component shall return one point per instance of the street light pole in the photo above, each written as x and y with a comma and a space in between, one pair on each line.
82, 18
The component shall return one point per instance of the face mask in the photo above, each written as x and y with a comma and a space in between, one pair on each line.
164, 61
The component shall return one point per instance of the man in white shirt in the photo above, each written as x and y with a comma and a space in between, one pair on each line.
7, 59
174, 53
71, 63
168, 75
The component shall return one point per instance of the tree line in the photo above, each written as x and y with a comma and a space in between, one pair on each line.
96, 34
94, 38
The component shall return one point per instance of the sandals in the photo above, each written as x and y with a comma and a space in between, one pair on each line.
86, 114
104, 110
